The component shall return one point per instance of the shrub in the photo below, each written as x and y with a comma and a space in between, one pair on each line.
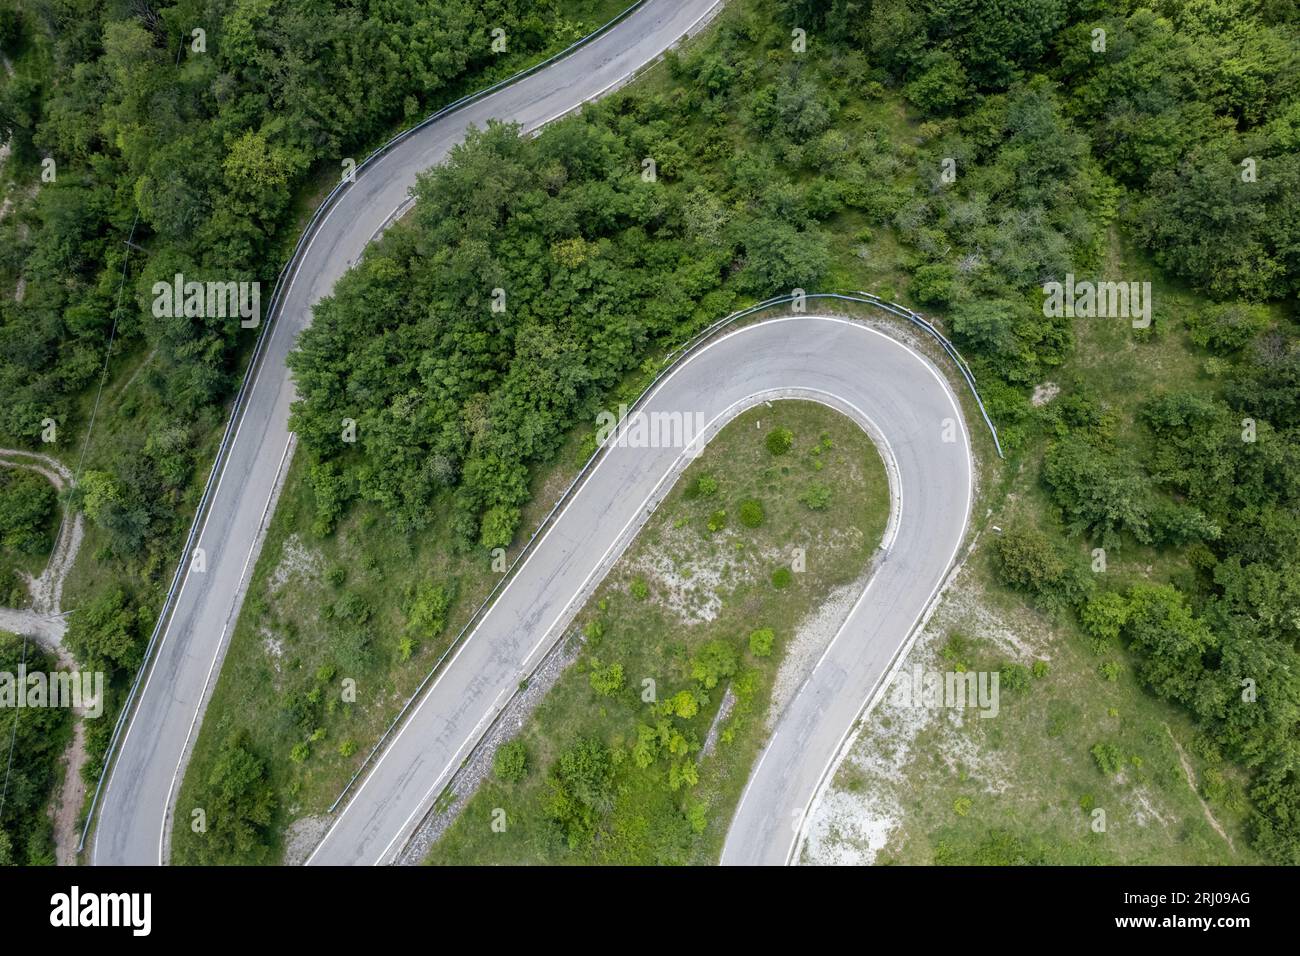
933, 285
1013, 677
1109, 758
704, 487
779, 441
428, 610
817, 497
497, 529
782, 578
714, 662
683, 704
760, 642
582, 791
717, 521
1227, 327
511, 762
751, 513
27, 503
352, 608
640, 589
606, 680
1026, 560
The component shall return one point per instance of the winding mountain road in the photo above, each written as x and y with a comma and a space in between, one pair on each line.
888, 388
133, 820
893, 392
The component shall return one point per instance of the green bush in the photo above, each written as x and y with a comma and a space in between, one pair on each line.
779, 441
782, 578
27, 502
510, 764
1109, 758
1227, 327
817, 497
639, 589
606, 680
704, 486
715, 661
751, 513
1013, 677
427, 614
761, 641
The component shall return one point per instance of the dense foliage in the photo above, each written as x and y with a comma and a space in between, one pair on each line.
1178, 122
128, 133
38, 736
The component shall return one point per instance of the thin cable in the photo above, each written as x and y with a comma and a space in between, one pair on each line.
13, 736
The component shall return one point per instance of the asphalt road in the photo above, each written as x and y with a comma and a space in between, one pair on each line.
892, 391
133, 822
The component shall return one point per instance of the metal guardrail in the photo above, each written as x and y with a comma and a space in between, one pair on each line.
669, 364
237, 409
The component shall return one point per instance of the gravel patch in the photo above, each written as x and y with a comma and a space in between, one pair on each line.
810, 641
296, 561
715, 728
301, 838
1044, 393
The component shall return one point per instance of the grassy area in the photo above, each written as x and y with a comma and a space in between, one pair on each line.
930, 786
700, 579
322, 611
1021, 787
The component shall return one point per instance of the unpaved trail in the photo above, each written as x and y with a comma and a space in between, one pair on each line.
68, 801
1191, 782
46, 622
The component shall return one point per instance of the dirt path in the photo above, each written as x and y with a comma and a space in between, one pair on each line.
46, 622
1191, 782
68, 801
47, 589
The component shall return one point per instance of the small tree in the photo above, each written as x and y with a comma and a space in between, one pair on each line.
715, 661
510, 764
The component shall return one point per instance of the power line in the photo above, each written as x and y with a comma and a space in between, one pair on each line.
13, 735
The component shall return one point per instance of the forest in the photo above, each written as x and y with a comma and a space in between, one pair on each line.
138, 149
1174, 124
761, 156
